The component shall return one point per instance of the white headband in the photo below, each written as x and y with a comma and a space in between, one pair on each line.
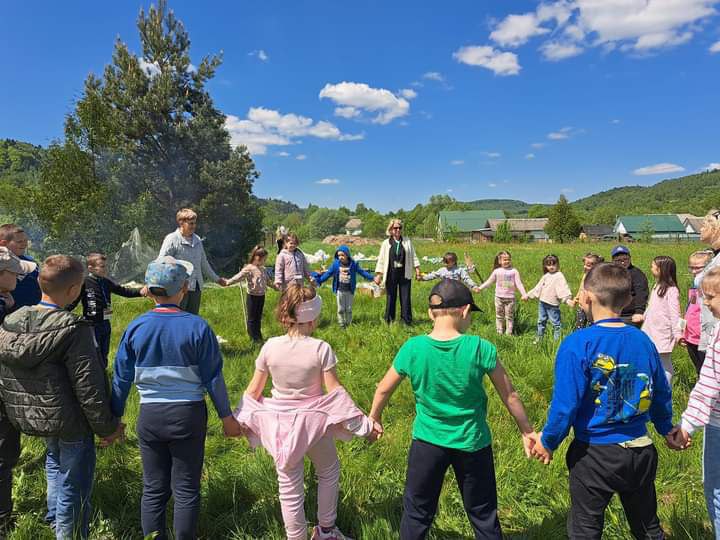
308, 311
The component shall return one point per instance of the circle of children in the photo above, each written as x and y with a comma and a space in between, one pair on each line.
612, 376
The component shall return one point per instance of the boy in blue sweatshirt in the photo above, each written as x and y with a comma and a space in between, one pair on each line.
173, 357
344, 271
609, 382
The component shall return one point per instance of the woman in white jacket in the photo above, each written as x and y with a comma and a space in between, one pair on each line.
394, 270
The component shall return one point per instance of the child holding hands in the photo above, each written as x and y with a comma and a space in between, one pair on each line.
258, 281
446, 369
507, 281
609, 382
451, 271
552, 290
301, 419
662, 316
291, 266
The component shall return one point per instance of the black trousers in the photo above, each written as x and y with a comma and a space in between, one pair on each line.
475, 475
191, 301
9, 455
103, 331
597, 472
394, 282
171, 437
254, 306
697, 357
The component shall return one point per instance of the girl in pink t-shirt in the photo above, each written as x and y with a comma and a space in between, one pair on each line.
507, 281
662, 316
300, 366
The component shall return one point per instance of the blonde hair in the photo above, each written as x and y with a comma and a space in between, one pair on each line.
185, 214
293, 296
393, 223
711, 281
712, 222
702, 255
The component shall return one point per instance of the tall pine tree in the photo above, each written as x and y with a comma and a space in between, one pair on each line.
144, 140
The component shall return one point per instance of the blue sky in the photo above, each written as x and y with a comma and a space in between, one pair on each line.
387, 103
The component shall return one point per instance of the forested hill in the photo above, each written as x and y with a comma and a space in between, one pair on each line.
510, 206
693, 194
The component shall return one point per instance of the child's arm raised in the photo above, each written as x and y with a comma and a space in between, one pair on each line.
384, 392
511, 399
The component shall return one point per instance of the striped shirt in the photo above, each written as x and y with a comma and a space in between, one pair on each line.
704, 403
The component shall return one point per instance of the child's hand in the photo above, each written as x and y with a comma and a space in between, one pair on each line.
232, 428
119, 435
378, 279
637, 318
529, 441
678, 439
377, 431
476, 289
524, 298
541, 453
571, 303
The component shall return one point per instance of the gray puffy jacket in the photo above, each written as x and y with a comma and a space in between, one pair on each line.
51, 381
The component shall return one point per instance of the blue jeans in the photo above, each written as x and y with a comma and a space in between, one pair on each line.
545, 312
711, 475
70, 470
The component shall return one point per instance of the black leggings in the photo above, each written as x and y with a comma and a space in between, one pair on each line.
396, 281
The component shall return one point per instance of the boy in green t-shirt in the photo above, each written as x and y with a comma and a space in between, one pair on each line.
446, 369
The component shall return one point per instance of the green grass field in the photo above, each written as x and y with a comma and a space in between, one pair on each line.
240, 490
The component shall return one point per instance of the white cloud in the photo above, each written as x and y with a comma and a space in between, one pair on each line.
715, 47
564, 133
327, 181
659, 168
267, 127
643, 24
346, 112
283, 154
492, 184
492, 155
530, 156
555, 50
261, 55
457, 162
387, 105
434, 76
515, 30
500, 63
622, 25
151, 69
711, 167
567, 190
301, 157
408, 93
615, 121
537, 145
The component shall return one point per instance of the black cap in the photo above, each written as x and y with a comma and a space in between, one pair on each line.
453, 294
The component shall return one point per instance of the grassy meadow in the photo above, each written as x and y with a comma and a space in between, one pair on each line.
240, 489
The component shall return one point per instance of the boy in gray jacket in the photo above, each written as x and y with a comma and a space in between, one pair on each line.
52, 385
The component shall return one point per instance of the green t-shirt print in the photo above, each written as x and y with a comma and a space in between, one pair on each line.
447, 379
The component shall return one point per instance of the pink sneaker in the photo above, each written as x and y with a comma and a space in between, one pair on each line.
334, 534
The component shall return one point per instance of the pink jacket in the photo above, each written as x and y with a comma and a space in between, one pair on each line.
291, 267
662, 319
506, 280
287, 428
692, 317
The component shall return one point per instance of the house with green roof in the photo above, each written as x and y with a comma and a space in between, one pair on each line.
466, 224
658, 226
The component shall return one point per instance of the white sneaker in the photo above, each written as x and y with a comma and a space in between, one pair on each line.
334, 534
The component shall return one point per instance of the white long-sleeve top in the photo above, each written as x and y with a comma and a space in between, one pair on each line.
703, 407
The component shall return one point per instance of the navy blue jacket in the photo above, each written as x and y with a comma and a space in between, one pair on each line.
334, 271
